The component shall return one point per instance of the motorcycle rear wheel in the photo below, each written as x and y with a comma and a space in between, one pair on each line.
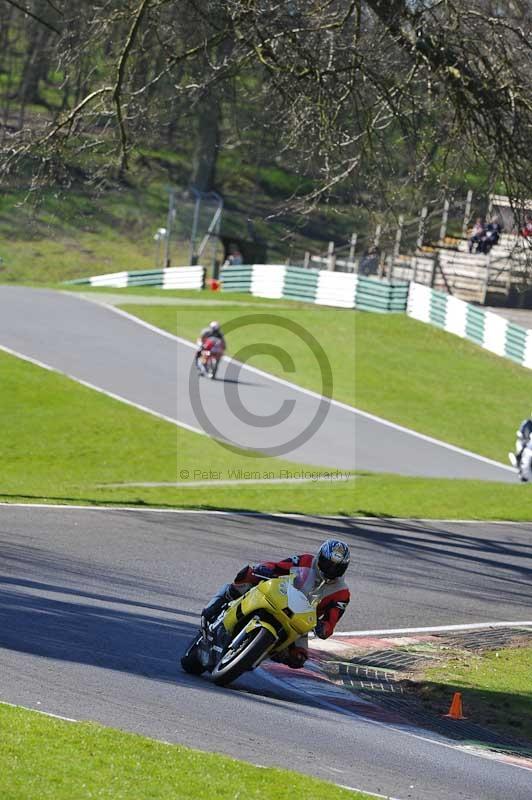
190, 661
211, 367
230, 667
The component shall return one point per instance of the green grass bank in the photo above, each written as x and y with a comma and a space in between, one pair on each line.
64, 443
496, 689
372, 495
42, 758
390, 365
85, 227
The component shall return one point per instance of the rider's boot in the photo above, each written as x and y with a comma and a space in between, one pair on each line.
525, 465
214, 608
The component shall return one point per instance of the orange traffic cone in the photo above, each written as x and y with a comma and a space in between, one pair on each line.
455, 711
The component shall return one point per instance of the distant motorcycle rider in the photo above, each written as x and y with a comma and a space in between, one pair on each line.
212, 331
328, 565
522, 459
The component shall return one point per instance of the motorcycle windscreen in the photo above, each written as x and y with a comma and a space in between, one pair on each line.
304, 579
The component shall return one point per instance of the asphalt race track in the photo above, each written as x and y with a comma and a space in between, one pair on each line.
92, 343
97, 605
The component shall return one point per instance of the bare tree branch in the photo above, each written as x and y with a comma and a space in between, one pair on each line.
38, 19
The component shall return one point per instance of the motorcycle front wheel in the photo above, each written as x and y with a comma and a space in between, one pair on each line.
234, 663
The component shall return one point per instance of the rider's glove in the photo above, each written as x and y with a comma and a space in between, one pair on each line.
262, 571
321, 630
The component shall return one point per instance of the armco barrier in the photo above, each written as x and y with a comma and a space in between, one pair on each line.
267, 280
236, 279
491, 331
170, 278
381, 295
339, 289
336, 289
301, 284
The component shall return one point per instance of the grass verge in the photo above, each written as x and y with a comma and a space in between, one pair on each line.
495, 686
65, 234
436, 383
204, 297
64, 443
61, 441
371, 495
390, 365
42, 758
291, 327
56, 233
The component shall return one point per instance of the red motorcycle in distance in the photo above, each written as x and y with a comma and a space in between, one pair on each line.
212, 351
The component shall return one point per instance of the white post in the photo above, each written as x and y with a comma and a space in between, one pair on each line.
490, 208
421, 229
352, 247
331, 258
444, 218
378, 231
169, 223
484, 292
193, 255
398, 235
467, 213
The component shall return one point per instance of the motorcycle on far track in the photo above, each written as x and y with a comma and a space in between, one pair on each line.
266, 620
209, 358
521, 459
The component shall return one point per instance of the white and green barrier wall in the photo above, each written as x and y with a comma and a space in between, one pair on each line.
346, 290
485, 328
340, 289
171, 278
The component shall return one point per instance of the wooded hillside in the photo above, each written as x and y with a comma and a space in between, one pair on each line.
361, 101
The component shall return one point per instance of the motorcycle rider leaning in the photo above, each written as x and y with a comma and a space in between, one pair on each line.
328, 565
212, 331
524, 435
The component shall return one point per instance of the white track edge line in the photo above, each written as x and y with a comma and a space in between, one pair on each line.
99, 389
38, 711
73, 507
316, 395
437, 628
267, 514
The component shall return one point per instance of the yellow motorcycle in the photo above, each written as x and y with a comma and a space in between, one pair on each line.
266, 620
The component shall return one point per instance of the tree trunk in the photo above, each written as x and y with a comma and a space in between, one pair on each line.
208, 118
35, 66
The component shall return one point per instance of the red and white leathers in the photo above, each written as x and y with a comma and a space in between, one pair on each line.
334, 595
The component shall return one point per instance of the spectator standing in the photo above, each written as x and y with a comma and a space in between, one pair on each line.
236, 257
491, 236
369, 263
526, 230
477, 234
